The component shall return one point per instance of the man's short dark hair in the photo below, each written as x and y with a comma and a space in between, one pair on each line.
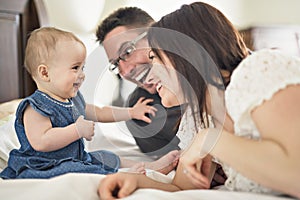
131, 17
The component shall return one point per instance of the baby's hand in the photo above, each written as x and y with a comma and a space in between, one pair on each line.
85, 128
139, 110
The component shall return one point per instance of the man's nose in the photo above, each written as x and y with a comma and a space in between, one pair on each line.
125, 68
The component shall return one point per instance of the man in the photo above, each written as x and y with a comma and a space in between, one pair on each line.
123, 36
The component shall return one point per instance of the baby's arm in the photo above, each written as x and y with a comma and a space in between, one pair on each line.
43, 137
115, 114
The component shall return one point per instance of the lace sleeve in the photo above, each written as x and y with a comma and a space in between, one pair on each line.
257, 79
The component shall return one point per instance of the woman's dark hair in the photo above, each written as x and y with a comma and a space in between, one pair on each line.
200, 42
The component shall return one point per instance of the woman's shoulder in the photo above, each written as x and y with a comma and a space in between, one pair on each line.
266, 65
258, 78
270, 56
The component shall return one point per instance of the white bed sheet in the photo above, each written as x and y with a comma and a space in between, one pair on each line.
84, 186
108, 136
116, 137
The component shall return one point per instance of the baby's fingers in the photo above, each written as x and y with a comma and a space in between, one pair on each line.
151, 110
146, 119
141, 99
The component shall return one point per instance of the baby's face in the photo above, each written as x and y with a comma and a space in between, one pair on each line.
66, 70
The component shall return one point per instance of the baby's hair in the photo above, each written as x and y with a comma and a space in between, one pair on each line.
41, 46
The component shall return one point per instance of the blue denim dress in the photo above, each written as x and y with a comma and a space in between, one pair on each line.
29, 163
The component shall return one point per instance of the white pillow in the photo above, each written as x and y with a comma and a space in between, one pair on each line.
115, 137
8, 139
8, 108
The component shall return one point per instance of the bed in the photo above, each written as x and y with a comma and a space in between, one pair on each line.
15, 83
84, 186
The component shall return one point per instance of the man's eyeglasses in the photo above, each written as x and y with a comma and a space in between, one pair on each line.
125, 51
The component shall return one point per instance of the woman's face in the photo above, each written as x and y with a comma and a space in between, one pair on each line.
164, 76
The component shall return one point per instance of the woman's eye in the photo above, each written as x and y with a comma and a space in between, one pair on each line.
151, 55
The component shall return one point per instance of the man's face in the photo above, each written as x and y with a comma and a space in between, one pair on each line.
116, 47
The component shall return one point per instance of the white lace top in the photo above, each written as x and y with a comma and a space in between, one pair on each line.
256, 79
186, 130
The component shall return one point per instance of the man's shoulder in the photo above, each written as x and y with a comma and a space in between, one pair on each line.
140, 92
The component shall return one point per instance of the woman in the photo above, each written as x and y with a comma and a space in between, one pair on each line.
261, 121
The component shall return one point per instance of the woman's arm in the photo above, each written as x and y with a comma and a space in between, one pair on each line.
273, 161
115, 114
121, 184
194, 170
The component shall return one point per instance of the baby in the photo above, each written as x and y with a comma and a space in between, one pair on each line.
52, 122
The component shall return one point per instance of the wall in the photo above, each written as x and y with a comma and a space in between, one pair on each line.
242, 13
260, 12
82, 17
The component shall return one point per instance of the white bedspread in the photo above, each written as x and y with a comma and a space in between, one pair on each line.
84, 186
111, 136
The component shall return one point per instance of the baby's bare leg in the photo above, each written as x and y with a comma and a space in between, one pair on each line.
166, 163
134, 166
163, 165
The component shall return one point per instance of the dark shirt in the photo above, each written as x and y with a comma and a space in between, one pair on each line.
158, 137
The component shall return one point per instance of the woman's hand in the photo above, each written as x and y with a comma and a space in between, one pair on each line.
141, 108
121, 184
219, 177
196, 168
118, 185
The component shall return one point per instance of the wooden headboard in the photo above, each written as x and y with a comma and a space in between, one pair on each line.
17, 19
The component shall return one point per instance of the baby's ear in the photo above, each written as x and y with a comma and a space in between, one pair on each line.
43, 73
